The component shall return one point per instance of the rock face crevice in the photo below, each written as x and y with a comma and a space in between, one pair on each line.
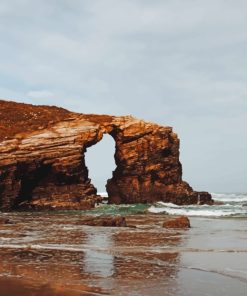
43, 166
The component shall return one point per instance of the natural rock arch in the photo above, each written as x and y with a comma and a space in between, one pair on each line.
53, 158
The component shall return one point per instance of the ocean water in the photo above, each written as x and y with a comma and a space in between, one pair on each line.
226, 205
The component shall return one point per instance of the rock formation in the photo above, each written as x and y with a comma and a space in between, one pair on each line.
106, 221
177, 222
42, 163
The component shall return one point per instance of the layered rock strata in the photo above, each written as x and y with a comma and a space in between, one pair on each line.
42, 161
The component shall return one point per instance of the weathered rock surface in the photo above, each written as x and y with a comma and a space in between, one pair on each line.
42, 162
107, 221
178, 222
5, 221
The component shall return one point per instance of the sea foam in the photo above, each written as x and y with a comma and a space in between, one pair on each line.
230, 197
233, 205
196, 212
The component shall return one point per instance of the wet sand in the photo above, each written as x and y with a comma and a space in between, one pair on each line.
51, 254
20, 287
214, 258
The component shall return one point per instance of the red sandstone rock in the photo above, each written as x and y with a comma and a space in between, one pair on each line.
42, 162
45, 204
107, 221
5, 221
178, 222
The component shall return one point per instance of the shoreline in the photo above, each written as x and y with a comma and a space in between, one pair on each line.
55, 249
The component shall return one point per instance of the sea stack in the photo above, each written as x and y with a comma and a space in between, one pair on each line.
42, 160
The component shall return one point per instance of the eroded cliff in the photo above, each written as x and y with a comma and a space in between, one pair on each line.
42, 163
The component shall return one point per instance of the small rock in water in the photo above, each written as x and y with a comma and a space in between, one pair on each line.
178, 222
107, 221
5, 221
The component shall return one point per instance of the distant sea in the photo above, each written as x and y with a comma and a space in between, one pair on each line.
226, 205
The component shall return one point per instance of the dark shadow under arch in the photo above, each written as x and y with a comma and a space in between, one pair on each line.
34, 174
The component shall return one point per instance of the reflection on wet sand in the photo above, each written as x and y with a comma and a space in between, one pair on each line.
20, 287
97, 262
58, 255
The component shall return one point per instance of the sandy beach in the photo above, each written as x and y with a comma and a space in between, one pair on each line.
52, 254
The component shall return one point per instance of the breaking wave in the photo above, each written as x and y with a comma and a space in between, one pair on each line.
227, 205
230, 197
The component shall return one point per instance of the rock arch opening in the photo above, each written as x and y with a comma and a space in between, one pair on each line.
100, 162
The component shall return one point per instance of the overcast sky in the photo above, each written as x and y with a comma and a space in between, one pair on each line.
178, 63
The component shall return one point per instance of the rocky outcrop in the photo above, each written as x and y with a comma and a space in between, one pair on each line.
106, 221
177, 222
42, 163
5, 221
